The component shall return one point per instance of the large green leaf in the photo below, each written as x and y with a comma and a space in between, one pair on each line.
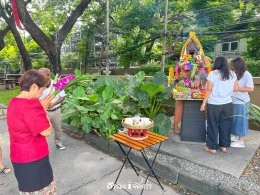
152, 89
114, 116
108, 93
106, 115
68, 113
75, 121
162, 124
159, 78
142, 98
92, 97
79, 79
79, 91
86, 119
77, 72
71, 101
140, 76
255, 113
86, 127
82, 109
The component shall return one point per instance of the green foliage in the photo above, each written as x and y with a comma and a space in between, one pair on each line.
152, 69
9, 55
253, 47
6, 95
253, 67
70, 60
99, 104
254, 111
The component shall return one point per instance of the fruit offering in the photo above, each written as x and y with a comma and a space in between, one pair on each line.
198, 95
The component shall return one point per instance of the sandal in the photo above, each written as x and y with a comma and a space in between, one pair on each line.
207, 149
5, 170
223, 149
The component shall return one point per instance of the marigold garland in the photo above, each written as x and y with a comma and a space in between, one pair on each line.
171, 76
196, 40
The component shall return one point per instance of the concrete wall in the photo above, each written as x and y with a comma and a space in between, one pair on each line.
242, 47
255, 96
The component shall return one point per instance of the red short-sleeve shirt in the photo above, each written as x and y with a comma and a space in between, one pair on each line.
26, 119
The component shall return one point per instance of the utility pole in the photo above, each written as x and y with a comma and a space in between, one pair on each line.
164, 35
107, 37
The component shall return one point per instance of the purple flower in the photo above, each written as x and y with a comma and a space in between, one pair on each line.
62, 83
187, 81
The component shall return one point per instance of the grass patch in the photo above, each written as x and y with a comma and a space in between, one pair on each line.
6, 95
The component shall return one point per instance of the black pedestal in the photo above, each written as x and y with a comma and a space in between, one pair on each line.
193, 127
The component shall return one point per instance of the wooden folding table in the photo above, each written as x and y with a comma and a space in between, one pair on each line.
153, 138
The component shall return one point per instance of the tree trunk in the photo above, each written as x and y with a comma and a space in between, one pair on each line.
149, 47
164, 35
107, 38
2, 36
27, 63
55, 63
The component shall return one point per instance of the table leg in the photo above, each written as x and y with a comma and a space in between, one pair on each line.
126, 156
151, 166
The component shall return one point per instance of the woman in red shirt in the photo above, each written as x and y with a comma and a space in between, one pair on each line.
28, 127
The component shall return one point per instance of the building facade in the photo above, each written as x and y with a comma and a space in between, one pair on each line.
231, 48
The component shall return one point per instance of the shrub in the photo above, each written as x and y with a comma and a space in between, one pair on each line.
152, 69
99, 105
253, 67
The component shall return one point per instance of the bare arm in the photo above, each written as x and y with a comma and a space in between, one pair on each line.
245, 89
235, 86
57, 102
207, 94
46, 132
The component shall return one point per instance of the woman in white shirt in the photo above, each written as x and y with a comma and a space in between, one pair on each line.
221, 83
241, 102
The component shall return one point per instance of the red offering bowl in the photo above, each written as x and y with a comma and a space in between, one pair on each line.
138, 131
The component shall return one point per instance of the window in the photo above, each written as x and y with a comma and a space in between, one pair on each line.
234, 46
225, 46
230, 46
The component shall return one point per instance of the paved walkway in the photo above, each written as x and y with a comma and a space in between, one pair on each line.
233, 163
80, 170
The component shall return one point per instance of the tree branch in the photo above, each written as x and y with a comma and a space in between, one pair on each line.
72, 19
37, 34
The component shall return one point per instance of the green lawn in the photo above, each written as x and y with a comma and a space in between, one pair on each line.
6, 95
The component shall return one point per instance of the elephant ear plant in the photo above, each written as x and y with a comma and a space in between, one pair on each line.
99, 103
254, 112
150, 95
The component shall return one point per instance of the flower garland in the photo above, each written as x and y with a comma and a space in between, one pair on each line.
171, 76
196, 40
16, 16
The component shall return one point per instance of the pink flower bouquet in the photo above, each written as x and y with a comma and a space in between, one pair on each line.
60, 84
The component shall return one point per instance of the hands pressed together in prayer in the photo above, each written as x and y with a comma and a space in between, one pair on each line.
46, 102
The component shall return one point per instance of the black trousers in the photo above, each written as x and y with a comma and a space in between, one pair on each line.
219, 125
